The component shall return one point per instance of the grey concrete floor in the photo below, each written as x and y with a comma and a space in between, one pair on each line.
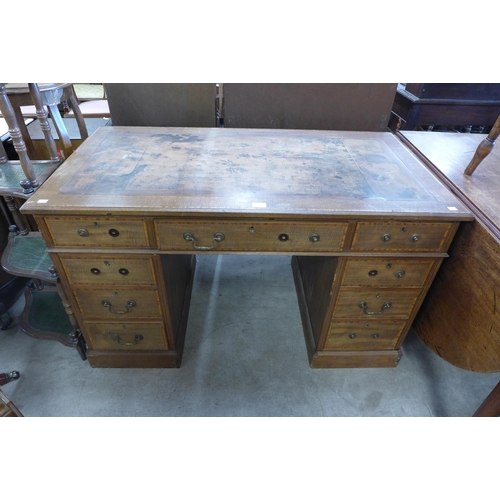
245, 355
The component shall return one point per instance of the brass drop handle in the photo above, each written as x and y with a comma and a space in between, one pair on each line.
218, 237
83, 232
364, 306
117, 338
130, 304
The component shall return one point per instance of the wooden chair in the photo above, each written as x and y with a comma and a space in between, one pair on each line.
45, 315
7, 407
53, 95
92, 108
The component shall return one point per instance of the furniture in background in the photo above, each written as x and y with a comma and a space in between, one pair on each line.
484, 148
446, 104
162, 104
52, 95
7, 407
316, 106
365, 223
39, 145
46, 314
92, 107
459, 320
11, 287
6, 378
490, 407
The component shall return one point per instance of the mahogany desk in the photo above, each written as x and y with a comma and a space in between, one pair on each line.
460, 317
366, 224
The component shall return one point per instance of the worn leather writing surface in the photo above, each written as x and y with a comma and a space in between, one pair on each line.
158, 170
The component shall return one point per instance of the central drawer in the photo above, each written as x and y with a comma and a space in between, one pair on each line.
117, 304
250, 236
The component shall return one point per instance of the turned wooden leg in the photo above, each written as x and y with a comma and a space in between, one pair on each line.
17, 138
5, 378
44, 122
491, 405
484, 149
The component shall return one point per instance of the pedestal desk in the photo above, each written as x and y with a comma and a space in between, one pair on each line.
365, 223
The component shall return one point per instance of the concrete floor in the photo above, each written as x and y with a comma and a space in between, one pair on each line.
245, 355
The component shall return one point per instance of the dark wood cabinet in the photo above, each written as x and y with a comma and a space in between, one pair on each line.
446, 104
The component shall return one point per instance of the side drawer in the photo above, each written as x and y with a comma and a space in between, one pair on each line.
116, 304
368, 335
250, 236
401, 236
375, 303
387, 272
86, 269
127, 336
98, 232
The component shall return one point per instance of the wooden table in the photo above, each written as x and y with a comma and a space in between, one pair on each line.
366, 224
459, 319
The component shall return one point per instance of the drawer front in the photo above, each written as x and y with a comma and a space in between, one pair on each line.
118, 304
250, 236
84, 269
127, 336
375, 303
403, 237
387, 272
368, 335
98, 232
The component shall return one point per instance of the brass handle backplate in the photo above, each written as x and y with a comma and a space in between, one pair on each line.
364, 306
117, 338
130, 304
218, 237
